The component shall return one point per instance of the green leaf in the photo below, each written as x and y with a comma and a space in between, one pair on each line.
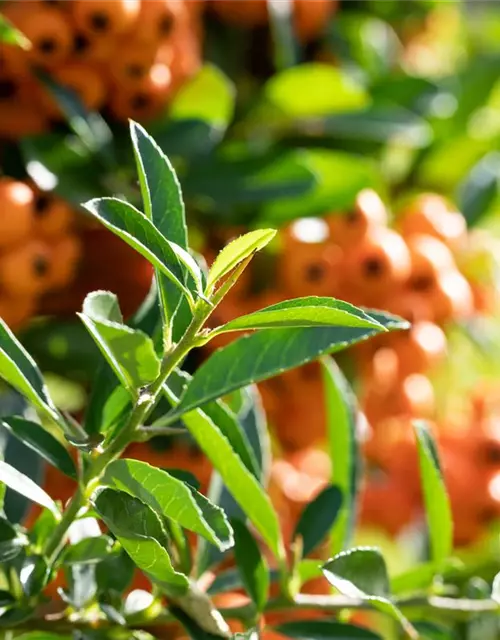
251, 564
109, 403
42, 442
163, 205
19, 369
324, 630
34, 575
377, 124
361, 573
243, 486
135, 229
318, 517
91, 128
130, 353
10, 35
88, 551
339, 177
172, 498
436, 501
302, 312
361, 570
6, 599
343, 449
20, 483
220, 414
140, 532
223, 182
314, 89
11, 541
236, 251
115, 572
160, 187
236, 365
209, 96
479, 189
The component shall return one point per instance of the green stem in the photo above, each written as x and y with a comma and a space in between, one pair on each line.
145, 404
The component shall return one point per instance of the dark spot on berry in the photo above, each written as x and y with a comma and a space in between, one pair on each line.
373, 267
352, 217
8, 89
166, 24
315, 272
135, 71
42, 204
99, 22
140, 101
40, 266
492, 454
421, 283
47, 45
80, 43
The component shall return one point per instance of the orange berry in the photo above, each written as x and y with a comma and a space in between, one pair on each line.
430, 214
452, 298
368, 212
88, 48
65, 253
13, 61
310, 269
25, 270
132, 63
104, 18
159, 18
16, 211
420, 348
52, 216
16, 310
377, 264
311, 18
47, 28
145, 101
429, 259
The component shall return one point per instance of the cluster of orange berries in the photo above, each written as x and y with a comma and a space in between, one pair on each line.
39, 250
125, 56
309, 17
414, 270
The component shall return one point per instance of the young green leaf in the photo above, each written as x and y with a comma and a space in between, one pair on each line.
261, 355
20, 483
135, 229
361, 573
160, 187
172, 498
140, 532
10, 35
343, 448
324, 630
243, 486
163, 205
437, 504
236, 251
251, 564
130, 353
318, 517
19, 369
88, 551
302, 312
42, 442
